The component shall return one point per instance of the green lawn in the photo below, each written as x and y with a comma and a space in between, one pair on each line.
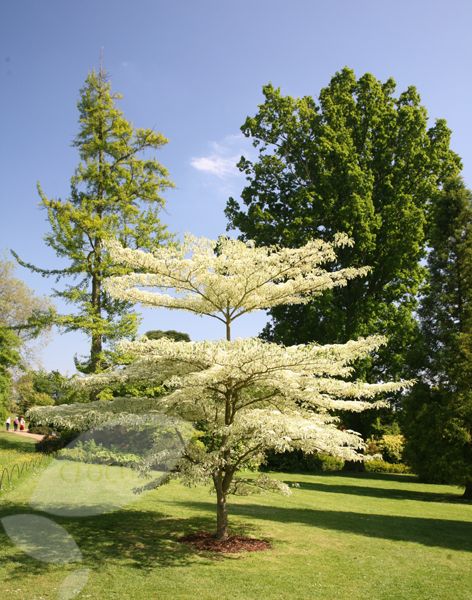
17, 458
19, 441
14, 449
336, 537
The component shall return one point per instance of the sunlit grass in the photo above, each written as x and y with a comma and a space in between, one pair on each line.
336, 537
15, 449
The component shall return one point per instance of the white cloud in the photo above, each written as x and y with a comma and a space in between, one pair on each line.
224, 156
216, 165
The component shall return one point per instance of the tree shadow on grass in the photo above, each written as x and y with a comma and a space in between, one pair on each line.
443, 533
377, 492
141, 540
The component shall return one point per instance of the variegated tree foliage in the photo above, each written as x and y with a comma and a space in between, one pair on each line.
245, 396
235, 280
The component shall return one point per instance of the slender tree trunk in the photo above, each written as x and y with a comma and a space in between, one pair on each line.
221, 510
222, 480
468, 491
96, 346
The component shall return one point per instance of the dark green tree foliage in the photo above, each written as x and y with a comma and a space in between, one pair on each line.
9, 357
178, 336
438, 414
23, 316
115, 192
361, 160
42, 388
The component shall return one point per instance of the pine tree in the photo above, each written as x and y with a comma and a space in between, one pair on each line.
438, 419
115, 192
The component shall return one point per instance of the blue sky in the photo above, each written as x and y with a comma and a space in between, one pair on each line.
194, 70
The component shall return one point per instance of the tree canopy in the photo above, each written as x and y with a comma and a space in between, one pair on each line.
116, 191
363, 160
23, 317
248, 395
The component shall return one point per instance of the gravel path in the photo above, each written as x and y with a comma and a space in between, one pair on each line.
35, 436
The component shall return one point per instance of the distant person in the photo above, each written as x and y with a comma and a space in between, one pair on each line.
16, 423
22, 424
8, 423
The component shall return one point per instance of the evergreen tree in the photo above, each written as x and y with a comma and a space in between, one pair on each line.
115, 192
438, 415
363, 161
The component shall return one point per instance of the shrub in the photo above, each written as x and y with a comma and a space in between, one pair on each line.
390, 446
381, 466
297, 462
90, 452
53, 442
40, 429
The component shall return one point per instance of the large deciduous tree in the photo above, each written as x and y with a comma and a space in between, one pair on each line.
115, 192
244, 396
23, 316
363, 160
438, 415
9, 357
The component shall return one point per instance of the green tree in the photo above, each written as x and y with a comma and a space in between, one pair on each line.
178, 336
245, 396
23, 316
115, 192
361, 160
43, 388
27, 395
9, 357
438, 414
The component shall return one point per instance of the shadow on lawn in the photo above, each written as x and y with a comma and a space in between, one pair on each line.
140, 539
378, 492
455, 535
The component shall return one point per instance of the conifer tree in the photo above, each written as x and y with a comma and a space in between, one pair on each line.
438, 415
114, 192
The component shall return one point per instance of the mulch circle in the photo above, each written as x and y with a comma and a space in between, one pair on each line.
203, 540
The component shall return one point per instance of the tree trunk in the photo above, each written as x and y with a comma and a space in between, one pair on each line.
221, 514
468, 491
96, 346
95, 353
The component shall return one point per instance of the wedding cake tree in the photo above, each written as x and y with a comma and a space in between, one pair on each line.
244, 396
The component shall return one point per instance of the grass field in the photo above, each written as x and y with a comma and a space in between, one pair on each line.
14, 449
336, 537
10, 442
17, 459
